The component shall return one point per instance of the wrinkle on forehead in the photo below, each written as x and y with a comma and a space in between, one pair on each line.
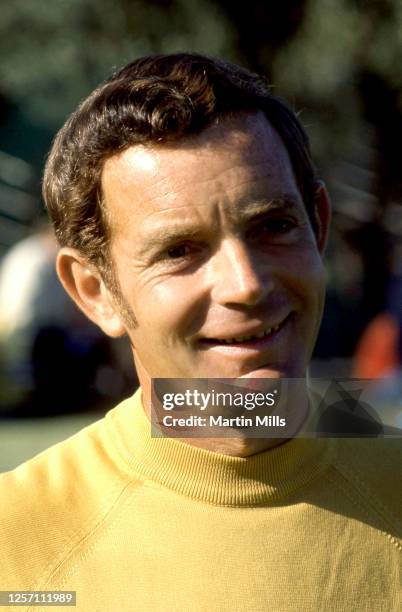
225, 188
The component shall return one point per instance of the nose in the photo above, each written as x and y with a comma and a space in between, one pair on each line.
235, 277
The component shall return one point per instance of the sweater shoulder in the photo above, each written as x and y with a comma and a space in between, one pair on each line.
52, 501
374, 467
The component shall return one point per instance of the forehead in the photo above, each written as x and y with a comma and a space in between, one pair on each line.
241, 159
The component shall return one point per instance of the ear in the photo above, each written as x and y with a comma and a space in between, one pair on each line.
322, 215
85, 286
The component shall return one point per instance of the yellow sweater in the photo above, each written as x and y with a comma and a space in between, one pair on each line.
134, 523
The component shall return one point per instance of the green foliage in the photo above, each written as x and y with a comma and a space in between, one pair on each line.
55, 51
321, 66
335, 40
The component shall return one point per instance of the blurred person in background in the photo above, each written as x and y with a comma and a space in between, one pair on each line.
45, 340
379, 353
192, 219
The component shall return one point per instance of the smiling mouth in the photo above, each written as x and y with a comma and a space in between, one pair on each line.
249, 339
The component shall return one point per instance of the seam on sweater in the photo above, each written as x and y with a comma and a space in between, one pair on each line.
385, 512
89, 550
356, 502
118, 482
88, 535
90, 430
98, 517
79, 533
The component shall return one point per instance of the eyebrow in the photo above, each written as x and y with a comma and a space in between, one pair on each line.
255, 209
167, 235
162, 236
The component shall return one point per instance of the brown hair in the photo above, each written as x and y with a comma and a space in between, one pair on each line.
154, 99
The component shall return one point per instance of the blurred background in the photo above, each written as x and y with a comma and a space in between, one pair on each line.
338, 63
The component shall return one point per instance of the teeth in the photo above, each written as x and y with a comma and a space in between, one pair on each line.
261, 334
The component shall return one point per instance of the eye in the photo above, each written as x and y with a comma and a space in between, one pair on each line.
279, 225
177, 252
273, 229
182, 257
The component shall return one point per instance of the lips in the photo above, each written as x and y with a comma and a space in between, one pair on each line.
243, 339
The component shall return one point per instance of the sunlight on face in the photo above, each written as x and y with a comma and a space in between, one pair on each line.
215, 254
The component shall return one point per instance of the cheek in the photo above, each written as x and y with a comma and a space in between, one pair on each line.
175, 306
305, 276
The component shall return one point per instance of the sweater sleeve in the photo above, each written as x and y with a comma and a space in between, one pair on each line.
50, 503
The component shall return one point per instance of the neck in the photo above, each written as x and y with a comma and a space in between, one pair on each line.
235, 445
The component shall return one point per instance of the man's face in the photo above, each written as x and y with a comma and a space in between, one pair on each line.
215, 254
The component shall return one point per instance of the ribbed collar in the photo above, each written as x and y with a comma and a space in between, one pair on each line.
261, 479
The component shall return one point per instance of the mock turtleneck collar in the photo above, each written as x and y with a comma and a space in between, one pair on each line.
260, 479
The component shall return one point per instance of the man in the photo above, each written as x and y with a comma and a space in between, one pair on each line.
191, 218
